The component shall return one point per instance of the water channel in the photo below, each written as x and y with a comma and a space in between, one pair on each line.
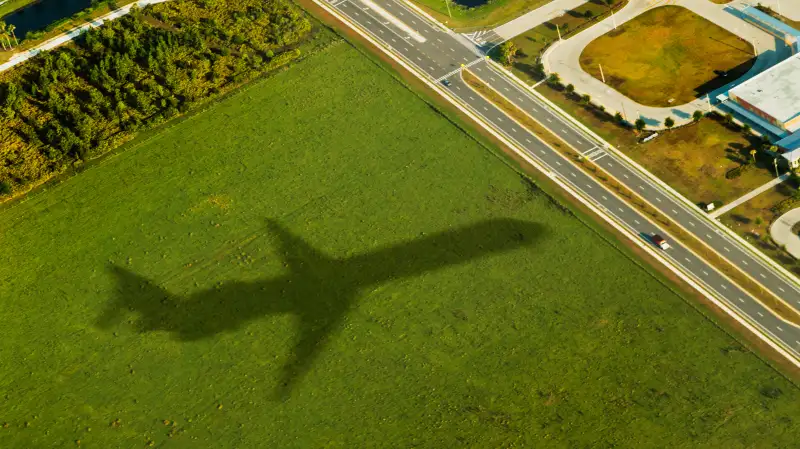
39, 15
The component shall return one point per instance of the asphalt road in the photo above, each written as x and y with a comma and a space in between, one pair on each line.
440, 54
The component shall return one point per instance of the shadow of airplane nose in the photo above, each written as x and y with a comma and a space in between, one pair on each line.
319, 289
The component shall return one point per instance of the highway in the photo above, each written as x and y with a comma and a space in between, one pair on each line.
438, 54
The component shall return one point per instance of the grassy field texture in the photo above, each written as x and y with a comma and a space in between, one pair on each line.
156, 297
682, 60
13, 5
487, 14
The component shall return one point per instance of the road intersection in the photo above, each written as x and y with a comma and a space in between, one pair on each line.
442, 54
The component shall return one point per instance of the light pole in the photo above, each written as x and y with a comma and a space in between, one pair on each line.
613, 17
559, 32
447, 4
601, 73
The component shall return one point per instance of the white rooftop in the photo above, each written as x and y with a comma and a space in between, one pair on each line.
775, 91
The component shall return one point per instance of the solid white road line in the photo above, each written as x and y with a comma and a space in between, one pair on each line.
395, 21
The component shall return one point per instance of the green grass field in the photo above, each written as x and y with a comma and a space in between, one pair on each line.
155, 297
487, 15
682, 61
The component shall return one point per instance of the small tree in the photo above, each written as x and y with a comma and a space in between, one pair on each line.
759, 221
639, 124
729, 118
697, 116
669, 123
570, 89
619, 118
746, 128
553, 79
586, 99
588, 14
507, 52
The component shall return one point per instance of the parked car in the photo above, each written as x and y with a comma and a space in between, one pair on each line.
446, 82
660, 241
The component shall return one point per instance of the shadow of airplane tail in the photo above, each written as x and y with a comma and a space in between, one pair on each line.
318, 290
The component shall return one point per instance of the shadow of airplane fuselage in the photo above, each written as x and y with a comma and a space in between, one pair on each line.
319, 290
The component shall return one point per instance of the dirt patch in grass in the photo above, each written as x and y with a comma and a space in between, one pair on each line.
685, 57
533, 42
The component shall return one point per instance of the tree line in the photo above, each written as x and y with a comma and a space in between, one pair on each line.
82, 100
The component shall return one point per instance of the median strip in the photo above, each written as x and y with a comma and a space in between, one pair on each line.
777, 305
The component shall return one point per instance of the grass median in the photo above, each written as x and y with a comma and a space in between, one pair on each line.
774, 303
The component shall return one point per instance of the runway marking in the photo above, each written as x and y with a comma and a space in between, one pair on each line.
395, 21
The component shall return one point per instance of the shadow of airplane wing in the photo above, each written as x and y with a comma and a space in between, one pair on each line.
442, 249
131, 285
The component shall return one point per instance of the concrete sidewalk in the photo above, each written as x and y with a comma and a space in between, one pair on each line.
750, 195
563, 58
536, 17
781, 232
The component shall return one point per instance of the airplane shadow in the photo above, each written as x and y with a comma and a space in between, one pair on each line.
318, 290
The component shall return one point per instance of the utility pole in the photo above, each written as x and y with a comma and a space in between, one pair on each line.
447, 4
559, 32
613, 18
601, 73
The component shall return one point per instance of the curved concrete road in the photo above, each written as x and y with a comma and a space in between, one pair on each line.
781, 232
563, 58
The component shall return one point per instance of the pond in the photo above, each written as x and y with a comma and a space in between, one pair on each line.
39, 15
470, 3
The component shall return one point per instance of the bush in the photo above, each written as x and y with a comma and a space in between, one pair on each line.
737, 171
